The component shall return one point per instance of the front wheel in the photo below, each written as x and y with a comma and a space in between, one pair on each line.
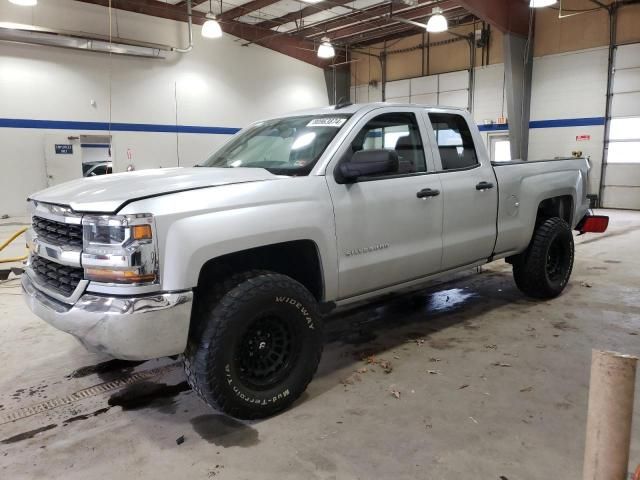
543, 270
255, 346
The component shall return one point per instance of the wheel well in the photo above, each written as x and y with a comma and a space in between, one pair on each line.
298, 259
556, 207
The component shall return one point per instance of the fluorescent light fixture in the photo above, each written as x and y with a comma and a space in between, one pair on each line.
541, 3
211, 29
437, 22
326, 50
312, 1
25, 3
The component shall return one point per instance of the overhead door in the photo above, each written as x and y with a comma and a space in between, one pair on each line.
622, 173
446, 89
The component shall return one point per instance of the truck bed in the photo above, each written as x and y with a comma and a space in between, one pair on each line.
523, 185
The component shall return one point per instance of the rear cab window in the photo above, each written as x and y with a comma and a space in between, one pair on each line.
454, 140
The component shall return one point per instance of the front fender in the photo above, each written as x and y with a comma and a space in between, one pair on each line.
197, 226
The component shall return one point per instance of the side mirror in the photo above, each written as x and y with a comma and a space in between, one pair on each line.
365, 163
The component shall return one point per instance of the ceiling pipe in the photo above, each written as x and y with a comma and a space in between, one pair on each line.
189, 47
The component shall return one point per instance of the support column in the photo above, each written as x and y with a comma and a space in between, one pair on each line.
338, 81
518, 63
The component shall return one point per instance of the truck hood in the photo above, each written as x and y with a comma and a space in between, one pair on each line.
108, 193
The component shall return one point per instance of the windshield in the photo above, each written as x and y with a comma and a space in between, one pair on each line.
284, 146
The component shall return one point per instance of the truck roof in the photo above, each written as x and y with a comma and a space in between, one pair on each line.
363, 108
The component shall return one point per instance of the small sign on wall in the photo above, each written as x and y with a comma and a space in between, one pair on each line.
583, 138
64, 149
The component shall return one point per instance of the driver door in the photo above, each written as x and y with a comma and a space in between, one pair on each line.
386, 234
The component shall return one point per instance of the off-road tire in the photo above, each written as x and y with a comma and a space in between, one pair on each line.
543, 270
225, 315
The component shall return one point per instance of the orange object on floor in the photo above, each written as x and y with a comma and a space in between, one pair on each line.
636, 476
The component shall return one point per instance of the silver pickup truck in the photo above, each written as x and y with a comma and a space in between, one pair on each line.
233, 264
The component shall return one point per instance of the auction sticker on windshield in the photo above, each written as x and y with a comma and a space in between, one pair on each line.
327, 122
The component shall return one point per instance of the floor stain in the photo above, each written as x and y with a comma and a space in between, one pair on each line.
110, 369
28, 435
443, 343
224, 431
564, 326
85, 416
149, 395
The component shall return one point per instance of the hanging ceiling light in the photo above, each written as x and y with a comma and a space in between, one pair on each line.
326, 50
437, 22
211, 28
541, 3
24, 3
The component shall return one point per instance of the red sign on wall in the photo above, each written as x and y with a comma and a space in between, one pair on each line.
583, 138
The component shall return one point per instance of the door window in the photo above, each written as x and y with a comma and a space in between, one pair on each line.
394, 131
454, 139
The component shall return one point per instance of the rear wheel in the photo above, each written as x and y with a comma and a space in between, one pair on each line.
256, 344
543, 270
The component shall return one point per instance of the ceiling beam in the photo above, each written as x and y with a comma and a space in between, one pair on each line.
419, 13
304, 12
194, 3
508, 16
398, 30
353, 17
246, 8
292, 46
403, 30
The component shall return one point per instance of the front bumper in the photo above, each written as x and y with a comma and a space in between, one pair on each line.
130, 328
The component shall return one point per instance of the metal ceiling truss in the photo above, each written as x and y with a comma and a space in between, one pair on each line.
385, 21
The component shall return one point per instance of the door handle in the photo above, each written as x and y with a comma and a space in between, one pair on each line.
484, 186
427, 192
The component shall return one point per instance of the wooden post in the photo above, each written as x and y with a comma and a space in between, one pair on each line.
609, 417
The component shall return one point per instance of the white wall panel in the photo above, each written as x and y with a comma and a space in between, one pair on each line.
622, 197
625, 104
453, 81
426, 99
399, 100
545, 143
458, 98
571, 85
375, 94
623, 175
398, 88
626, 80
489, 99
424, 85
628, 56
214, 85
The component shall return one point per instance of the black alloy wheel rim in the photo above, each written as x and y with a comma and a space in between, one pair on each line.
267, 352
557, 260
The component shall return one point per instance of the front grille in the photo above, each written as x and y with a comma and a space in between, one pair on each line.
58, 233
60, 278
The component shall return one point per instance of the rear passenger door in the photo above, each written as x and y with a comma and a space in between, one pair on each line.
469, 189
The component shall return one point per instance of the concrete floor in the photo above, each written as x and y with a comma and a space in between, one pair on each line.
491, 385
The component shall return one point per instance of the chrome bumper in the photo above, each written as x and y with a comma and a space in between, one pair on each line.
131, 328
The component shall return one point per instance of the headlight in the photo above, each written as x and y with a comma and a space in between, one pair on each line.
119, 249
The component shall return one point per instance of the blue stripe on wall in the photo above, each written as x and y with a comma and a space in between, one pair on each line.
115, 127
568, 122
558, 123
149, 127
